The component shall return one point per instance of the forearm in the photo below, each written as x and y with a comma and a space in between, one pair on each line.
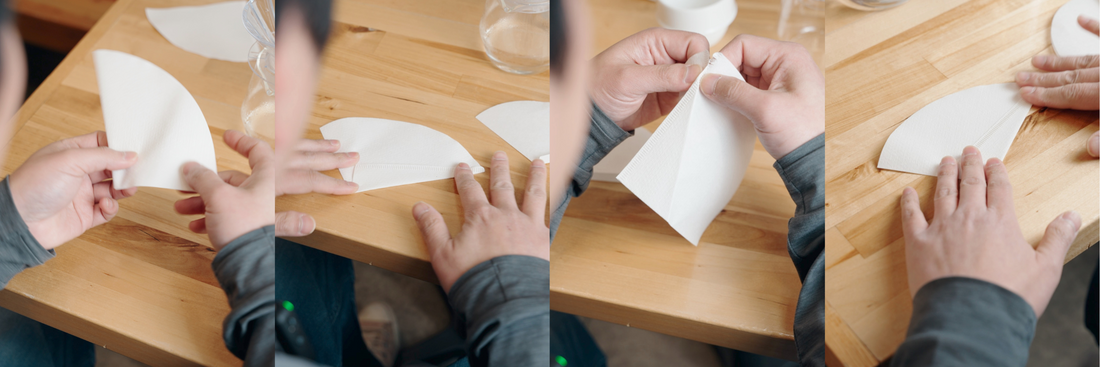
967, 322
18, 248
245, 268
603, 136
503, 304
803, 173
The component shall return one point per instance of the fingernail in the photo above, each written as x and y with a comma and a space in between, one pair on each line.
710, 81
1023, 76
333, 142
1027, 90
700, 58
351, 184
1074, 218
187, 167
1040, 59
500, 156
306, 225
463, 165
420, 208
352, 154
969, 151
692, 73
1094, 145
538, 163
129, 156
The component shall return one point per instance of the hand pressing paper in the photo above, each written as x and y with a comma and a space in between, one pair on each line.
393, 153
613, 163
1067, 36
986, 117
691, 166
148, 111
214, 31
525, 125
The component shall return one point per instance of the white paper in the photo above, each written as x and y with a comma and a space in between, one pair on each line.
613, 163
214, 31
147, 111
1067, 36
393, 153
691, 166
987, 117
525, 125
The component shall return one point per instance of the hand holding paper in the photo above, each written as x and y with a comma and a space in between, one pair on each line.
301, 173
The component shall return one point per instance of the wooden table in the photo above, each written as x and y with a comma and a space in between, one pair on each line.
615, 259
419, 62
881, 67
141, 284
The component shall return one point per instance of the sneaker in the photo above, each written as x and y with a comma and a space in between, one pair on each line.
378, 324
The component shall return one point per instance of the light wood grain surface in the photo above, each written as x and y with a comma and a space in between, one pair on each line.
881, 67
419, 62
614, 259
141, 284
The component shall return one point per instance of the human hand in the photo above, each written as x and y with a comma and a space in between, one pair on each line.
640, 78
301, 174
491, 229
975, 234
783, 93
233, 203
60, 190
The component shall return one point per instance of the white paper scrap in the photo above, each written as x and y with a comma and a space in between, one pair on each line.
147, 111
214, 31
393, 153
613, 163
987, 117
525, 125
1067, 36
691, 166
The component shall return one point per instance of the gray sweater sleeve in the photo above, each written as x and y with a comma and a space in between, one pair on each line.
603, 136
803, 172
245, 268
961, 321
18, 248
504, 306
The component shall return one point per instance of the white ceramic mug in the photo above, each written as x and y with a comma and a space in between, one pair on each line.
711, 18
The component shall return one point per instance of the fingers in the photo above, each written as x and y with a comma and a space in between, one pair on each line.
302, 181
972, 179
1080, 96
233, 177
1057, 79
202, 180
947, 187
1062, 63
294, 224
1089, 24
197, 225
318, 145
322, 161
432, 227
105, 210
661, 78
998, 188
912, 218
1093, 145
89, 161
469, 191
665, 46
534, 197
501, 192
257, 151
191, 206
1059, 236
735, 94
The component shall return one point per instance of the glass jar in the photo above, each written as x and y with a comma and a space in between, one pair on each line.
516, 35
258, 109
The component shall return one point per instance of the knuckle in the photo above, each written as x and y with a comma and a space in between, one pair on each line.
535, 191
945, 192
971, 181
502, 184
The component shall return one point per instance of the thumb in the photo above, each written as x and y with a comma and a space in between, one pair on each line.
431, 227
90, 160
201, 179
294, 224
734, 93
1059, 235
661, 78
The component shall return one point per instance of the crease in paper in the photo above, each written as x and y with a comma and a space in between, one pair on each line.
987, 117
525, 125
147, 111
213, 31
393, 153
693, 164
1067, 36
613, 163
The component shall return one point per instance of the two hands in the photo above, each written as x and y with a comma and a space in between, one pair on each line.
1067, 82
641, 78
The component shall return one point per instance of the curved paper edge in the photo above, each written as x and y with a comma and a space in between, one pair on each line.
532, 139
175, 132
987, 116
394, 153
201, 30
615, 161
1067, 37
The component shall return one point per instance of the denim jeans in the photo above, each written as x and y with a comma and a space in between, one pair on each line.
25, 342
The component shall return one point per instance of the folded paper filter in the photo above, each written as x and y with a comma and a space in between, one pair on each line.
147, 111
525, 125
1067, 37
690, 168
214, 31
393, 153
